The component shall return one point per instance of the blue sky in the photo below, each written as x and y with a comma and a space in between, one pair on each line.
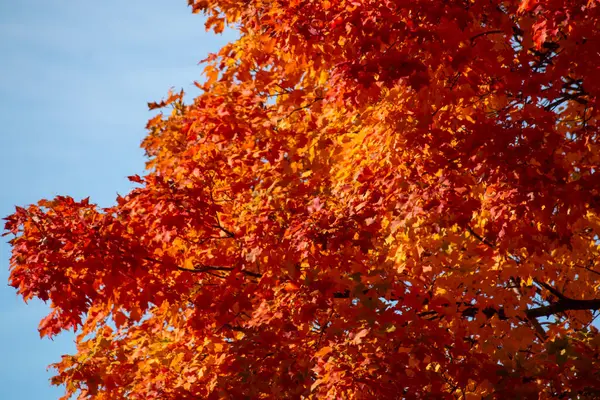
75, 78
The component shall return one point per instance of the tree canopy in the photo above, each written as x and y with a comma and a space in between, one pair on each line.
368, 199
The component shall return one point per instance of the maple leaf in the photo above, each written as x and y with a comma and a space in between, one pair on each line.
357, 339
172, 97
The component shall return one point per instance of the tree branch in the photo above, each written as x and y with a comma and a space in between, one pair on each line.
210, 268
480, 238
564, 304
552, 290
473, 38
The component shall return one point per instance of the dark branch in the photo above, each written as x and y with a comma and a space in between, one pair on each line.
588, 269
552, 290
226, 231
302, 108
211, 268
480, 238
473, 38
342, 295
564, 304
346, 294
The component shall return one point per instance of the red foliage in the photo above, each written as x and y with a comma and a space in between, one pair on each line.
370, 199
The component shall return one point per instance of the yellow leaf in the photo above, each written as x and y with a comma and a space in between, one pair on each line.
529, 281
323, 77
323, 352
176, 360
316, 384
188, 263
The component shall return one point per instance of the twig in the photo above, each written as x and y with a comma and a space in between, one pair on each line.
473, 38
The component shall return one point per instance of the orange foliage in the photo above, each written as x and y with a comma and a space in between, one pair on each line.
370, 199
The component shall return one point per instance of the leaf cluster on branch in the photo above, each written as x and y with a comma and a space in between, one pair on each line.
369, 199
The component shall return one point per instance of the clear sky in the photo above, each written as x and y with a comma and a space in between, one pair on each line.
75, 77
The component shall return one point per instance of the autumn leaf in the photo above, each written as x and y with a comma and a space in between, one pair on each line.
172, 97
358, 337
323, 351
